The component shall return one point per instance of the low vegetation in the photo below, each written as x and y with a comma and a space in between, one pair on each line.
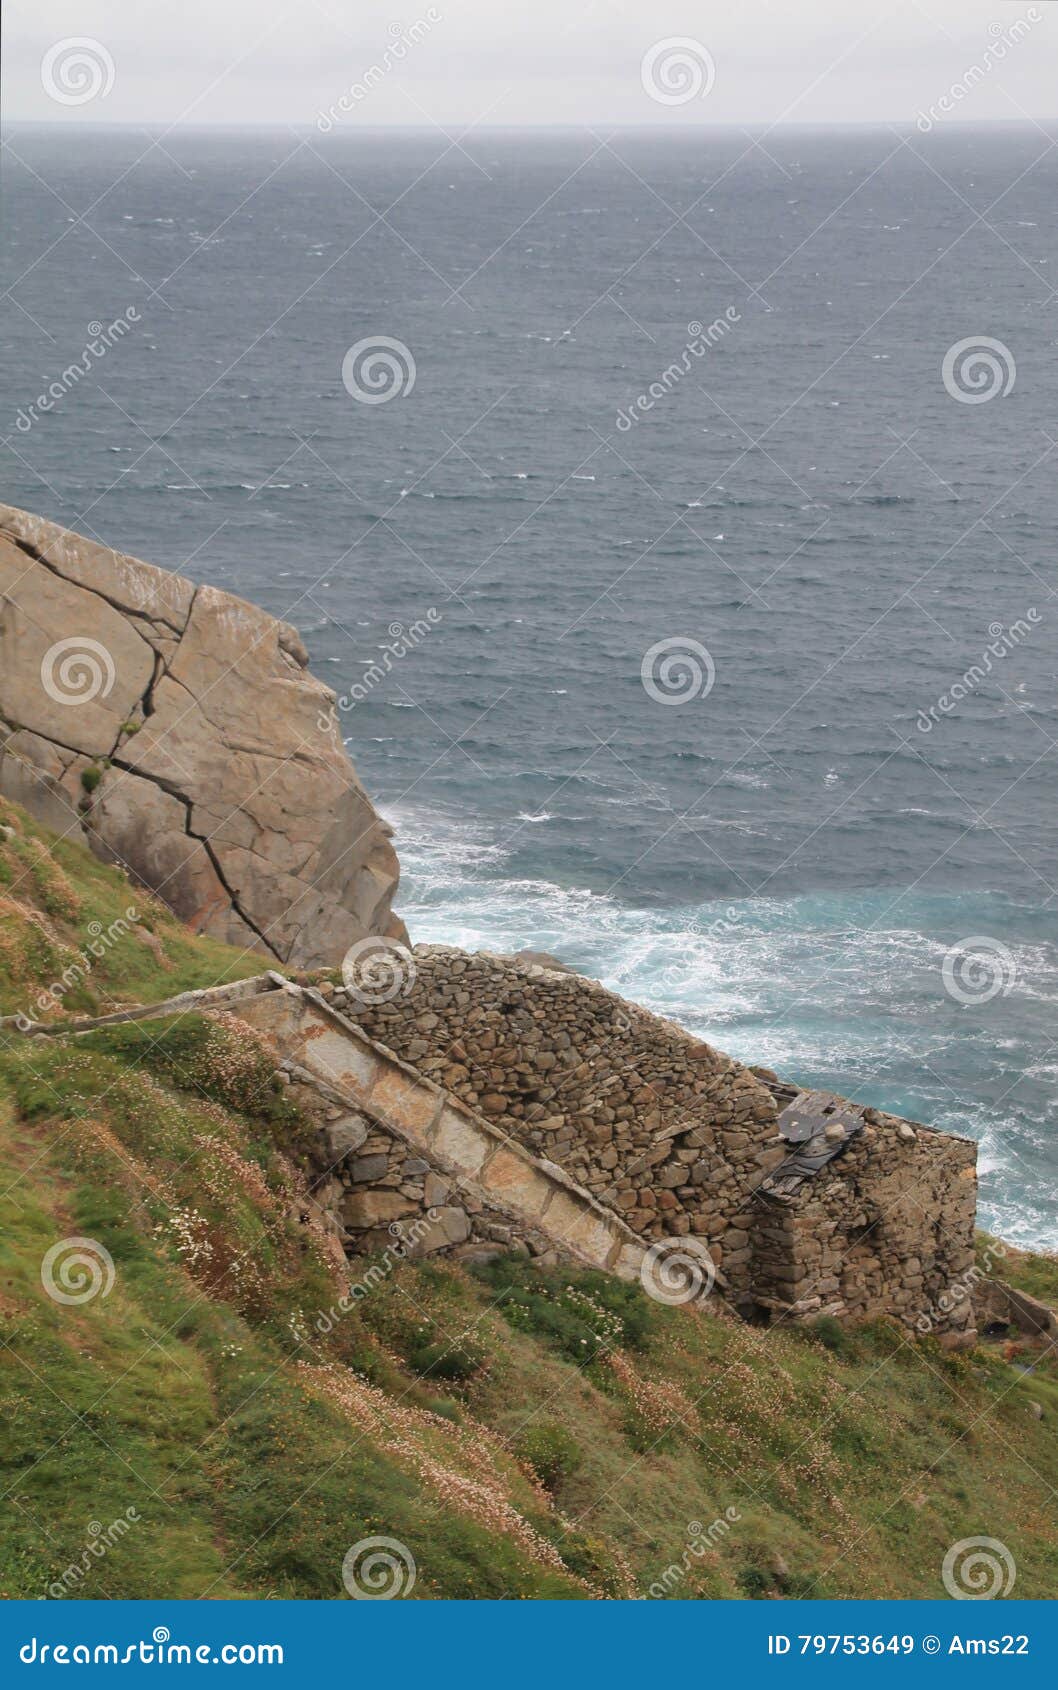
199, 1412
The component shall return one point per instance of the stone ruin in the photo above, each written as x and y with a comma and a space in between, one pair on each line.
541, 1108
505, 1104
806, 1203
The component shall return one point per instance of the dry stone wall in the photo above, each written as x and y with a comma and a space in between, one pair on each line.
522, 1105
666, 1130
376, 1192
404, 1149
886, 1227
677, 1138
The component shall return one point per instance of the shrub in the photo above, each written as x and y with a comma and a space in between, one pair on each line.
582, 1314
551, 1453
445, 1409
833, 1336
755, 1583
453, 1359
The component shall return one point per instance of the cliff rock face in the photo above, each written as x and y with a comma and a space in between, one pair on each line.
176, 729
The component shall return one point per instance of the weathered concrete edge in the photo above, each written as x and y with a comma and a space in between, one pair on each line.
205, 997
495, 1205
429, 1118
581, 1225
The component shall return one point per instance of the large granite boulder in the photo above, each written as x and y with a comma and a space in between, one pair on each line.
178, 731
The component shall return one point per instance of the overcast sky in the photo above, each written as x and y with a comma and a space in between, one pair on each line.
528, 61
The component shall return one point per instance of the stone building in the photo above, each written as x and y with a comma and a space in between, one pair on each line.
806, 1204
498, 1104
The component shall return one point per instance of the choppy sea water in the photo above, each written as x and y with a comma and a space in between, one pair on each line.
783, 861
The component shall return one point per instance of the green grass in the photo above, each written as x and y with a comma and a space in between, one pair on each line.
67, 921
524, 1434
1035, 1275
192, 1392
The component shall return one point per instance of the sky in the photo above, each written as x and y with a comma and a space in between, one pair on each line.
486, 62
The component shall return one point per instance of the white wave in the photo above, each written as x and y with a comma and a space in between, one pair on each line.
839, 991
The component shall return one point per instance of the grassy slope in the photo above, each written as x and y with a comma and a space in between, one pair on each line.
57, 907
523, 1434
1037, 1276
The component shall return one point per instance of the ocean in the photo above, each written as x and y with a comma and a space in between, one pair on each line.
691, 590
